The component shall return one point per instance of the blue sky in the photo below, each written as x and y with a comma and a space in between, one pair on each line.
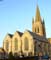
17, 15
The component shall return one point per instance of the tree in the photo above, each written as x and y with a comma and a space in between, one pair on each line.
11, 57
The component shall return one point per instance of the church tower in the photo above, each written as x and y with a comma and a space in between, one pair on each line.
38, 26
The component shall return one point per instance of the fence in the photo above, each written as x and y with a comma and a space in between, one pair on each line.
28, 58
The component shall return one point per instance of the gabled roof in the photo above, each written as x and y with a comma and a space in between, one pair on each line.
20, 33
10, 35
37, 37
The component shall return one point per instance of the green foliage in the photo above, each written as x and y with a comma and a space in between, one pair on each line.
11, 57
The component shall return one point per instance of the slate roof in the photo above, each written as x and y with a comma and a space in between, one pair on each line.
38, 37
20, 33
10, 35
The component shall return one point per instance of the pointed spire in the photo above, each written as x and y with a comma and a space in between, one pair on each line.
44, 32
43, 21
32, 20
37, 17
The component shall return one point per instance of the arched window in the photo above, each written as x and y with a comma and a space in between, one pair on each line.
7, 45
26, 44
37, 30
16, 44
35, 49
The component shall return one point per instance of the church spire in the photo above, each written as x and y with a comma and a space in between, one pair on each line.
38, 26
37, 17
32, 20
44, 32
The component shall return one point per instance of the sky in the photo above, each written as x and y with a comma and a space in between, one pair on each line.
17, 15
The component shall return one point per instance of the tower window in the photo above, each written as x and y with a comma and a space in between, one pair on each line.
37, 30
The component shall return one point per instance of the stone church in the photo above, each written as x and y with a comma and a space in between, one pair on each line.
29, 43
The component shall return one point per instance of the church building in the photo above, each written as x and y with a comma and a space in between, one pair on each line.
29, 43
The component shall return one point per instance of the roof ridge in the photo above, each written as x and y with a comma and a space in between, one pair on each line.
20, 33
11, 35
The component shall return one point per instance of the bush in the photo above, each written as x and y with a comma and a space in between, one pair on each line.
11, 57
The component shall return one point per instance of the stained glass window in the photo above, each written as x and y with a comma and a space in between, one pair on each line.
7, 45
26, 44
16, 44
